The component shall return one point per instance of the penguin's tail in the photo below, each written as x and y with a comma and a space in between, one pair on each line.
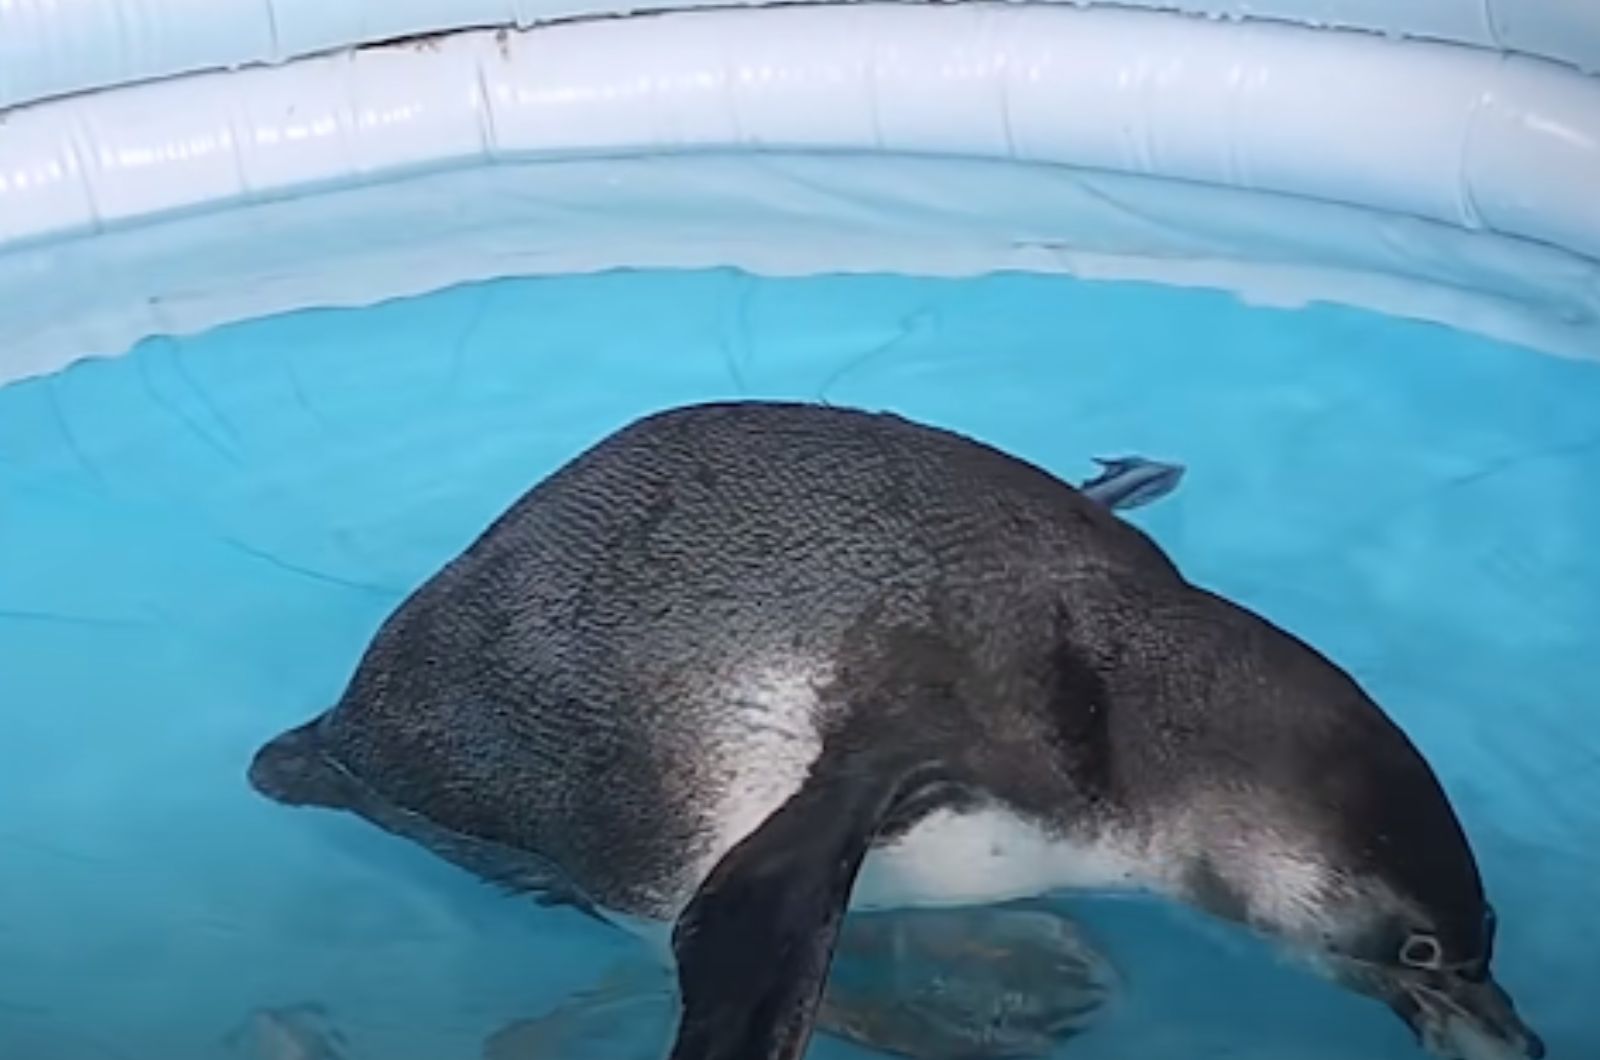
295, 769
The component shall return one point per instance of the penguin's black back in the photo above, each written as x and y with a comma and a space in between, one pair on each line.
569, 685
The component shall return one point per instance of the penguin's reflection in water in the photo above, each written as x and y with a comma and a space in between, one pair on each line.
976, 983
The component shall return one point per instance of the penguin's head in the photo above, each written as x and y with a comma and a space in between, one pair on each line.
1386, 909
1319, 824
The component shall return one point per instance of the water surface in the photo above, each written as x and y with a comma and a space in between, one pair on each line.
197, 539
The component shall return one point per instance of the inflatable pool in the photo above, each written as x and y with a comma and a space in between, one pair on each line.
295, 298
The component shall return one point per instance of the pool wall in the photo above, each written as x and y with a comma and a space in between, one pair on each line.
56, 47
1432, 178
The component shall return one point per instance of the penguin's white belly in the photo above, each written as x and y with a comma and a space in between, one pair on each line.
958, 859
985, 856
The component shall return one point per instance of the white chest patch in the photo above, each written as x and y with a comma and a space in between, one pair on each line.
989, 855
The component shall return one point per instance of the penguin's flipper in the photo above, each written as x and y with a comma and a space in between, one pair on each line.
754, 946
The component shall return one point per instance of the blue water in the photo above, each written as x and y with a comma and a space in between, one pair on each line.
197, 539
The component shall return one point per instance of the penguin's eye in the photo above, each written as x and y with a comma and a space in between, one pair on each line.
1422, 951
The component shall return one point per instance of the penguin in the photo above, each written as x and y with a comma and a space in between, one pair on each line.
742, 667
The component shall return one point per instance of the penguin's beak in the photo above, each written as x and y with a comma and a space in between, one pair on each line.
1455, 1017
